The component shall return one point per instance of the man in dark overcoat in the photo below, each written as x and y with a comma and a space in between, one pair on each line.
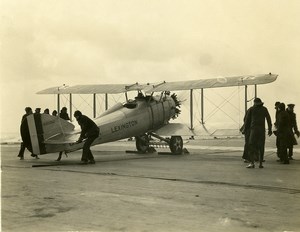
294, 129
284, 133
89, 132
255, 122
275, 127
24, 133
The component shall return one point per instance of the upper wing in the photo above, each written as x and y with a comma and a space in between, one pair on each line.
214, 83
165, 86
88, 89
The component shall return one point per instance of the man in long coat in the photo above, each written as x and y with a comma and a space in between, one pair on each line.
24, 133
255, 122
284, 133
294, 129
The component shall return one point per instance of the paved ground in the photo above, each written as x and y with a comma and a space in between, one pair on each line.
207, 190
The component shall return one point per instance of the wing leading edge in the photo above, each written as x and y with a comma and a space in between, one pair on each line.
165, 86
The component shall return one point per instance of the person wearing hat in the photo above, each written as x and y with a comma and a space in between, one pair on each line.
275, 126
255, 123
37, 110
23, 127
294, 129
284, 133
89, 132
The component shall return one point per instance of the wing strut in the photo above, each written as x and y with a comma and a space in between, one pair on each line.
246, 98
191, 109
94, 105
106, 101
202, 106
71, 110
58, 103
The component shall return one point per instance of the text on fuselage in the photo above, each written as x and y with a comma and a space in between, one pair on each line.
124, 126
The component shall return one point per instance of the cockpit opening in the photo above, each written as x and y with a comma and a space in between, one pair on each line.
130, 104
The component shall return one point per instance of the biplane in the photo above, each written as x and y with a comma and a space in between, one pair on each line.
147, 117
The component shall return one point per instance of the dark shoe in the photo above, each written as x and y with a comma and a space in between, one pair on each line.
251, 166
92, 162
286, 162
36, 156
260, 166
21, 157
279, 160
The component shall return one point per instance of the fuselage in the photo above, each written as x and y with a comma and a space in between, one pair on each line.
130, 119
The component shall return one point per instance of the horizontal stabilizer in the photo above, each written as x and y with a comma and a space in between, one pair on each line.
63, 138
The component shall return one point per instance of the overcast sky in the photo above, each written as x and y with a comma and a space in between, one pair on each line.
50, 43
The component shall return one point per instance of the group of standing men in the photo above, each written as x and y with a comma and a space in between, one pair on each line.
254, 131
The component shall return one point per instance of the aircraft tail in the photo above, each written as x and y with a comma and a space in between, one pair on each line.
38, 128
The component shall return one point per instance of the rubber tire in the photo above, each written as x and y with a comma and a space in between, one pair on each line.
176, 145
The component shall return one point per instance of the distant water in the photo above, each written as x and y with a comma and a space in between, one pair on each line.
10, 137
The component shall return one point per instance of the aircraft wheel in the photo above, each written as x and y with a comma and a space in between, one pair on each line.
142, 143
176, 145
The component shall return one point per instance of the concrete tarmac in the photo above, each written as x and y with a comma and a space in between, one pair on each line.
208, 189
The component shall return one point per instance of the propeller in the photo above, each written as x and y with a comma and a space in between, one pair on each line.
177, 105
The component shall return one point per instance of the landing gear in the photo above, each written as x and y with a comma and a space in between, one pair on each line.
176, 145
144, 145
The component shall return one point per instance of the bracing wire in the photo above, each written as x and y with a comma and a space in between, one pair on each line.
219, 107
224, 102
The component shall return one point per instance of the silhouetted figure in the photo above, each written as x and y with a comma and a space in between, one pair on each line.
64, 115
46, 111
89, 132
294, 129
246, 133
255, 122
24, 131
37, 110
276, 126
284, 133
54, 113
